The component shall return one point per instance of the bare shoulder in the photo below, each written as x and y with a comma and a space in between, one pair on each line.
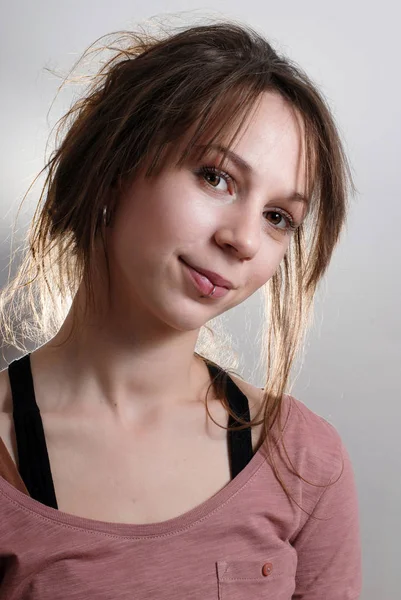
5, 392
6, 423
253, 393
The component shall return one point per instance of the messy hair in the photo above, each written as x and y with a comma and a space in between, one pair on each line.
144, 99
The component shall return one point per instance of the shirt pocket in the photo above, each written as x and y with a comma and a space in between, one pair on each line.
257, 579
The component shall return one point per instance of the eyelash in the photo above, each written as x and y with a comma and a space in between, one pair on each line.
207, 170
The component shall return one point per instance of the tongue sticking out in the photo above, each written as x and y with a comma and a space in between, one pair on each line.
206, 281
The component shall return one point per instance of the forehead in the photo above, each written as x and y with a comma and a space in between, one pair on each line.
269, 135
272, 133
268, 142
269, 122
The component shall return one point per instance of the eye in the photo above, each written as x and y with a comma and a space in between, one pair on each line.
281, 220
212, 175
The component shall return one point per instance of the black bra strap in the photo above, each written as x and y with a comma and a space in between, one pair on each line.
239, 442
34, 464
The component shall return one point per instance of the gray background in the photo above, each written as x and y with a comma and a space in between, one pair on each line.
351, 369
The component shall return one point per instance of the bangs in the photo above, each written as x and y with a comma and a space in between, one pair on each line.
221, 124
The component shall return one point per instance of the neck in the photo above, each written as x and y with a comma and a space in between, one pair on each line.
104, 364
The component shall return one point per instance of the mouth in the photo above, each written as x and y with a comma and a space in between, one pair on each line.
205, 284
213, 277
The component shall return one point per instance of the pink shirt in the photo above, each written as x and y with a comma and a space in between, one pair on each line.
247, 542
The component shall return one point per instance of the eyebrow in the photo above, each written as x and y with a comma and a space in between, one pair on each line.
246, 168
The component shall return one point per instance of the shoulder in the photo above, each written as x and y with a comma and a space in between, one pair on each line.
6, 422
313, 444
8, 451
308, 437
309, 428
253, 393
5, 392
327, 536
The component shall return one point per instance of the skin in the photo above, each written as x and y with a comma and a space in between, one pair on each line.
133, 361
113, 398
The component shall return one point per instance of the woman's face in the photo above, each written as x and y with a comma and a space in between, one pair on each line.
236, 223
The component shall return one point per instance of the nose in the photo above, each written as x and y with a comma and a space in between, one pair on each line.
241, 230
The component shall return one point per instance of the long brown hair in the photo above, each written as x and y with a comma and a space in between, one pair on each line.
151, 92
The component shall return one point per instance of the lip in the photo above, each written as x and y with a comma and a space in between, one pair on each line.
203, 284
215, 278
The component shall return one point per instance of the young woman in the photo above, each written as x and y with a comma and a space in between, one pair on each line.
196, 169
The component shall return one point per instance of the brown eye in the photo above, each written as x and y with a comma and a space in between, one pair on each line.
276, 217
281, 220
213, 176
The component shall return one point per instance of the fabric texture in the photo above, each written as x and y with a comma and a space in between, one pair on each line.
248, 541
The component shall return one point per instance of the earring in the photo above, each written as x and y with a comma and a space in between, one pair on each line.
106, 216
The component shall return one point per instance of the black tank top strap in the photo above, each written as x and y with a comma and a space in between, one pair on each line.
33, 458
239, 442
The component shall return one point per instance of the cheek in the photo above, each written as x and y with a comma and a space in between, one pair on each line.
158, 221
268, 262
142, 223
